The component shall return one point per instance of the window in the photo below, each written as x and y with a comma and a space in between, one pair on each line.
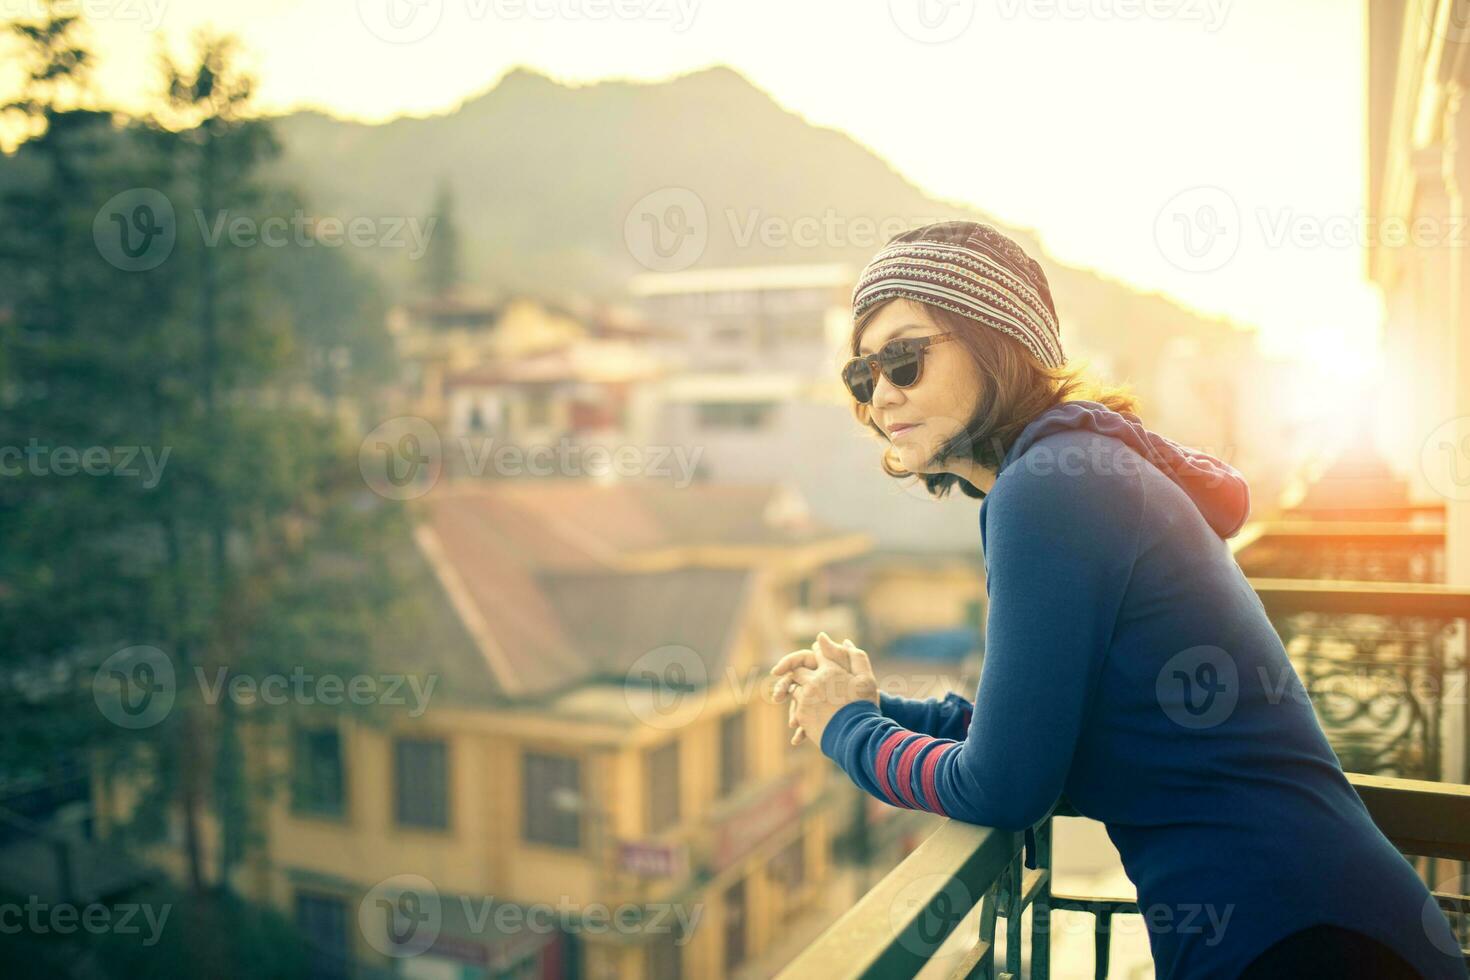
734, 925
732, 752
788, 867
323, 921
664, 955
538, 408
663, 787
551, 791
317, 783
733, 415
421, 782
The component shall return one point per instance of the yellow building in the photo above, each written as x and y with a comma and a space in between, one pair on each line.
599, 785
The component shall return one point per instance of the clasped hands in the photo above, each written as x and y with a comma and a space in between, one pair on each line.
818, 681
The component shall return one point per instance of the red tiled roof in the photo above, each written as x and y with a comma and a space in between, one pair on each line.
542, 568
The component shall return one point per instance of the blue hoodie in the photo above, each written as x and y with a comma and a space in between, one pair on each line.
1130, 666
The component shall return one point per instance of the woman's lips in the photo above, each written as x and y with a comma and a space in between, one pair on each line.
899, 430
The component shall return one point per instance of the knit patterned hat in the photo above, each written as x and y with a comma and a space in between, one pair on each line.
972, 269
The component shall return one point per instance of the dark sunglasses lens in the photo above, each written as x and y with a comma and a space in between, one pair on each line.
901, 365
859, 379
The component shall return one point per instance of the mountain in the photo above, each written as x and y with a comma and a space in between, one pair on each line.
545, 176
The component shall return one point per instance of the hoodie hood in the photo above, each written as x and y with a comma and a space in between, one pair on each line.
1216, 487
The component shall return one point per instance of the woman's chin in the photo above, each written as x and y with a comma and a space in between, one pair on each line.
918, 462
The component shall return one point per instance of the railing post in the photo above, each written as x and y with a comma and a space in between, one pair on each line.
1041, 907
1011, 894
1102, 943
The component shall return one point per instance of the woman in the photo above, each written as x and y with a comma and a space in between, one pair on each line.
1128, 663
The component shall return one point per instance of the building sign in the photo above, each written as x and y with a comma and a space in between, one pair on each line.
648, 859
742, 832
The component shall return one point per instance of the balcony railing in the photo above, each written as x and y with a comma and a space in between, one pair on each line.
897, 927
1385, 665
901, 922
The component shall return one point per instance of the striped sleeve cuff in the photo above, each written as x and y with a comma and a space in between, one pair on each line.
899, 766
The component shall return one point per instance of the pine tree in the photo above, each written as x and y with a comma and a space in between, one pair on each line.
442, 269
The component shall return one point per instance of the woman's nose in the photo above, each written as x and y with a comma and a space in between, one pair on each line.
885, 392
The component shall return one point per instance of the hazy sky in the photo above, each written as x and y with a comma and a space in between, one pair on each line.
1209, 149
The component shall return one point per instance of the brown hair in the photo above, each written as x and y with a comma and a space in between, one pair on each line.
1020, 388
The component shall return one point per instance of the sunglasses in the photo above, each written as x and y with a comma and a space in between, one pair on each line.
898, 360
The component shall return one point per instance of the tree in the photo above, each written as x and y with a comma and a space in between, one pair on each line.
442, 271
128, 326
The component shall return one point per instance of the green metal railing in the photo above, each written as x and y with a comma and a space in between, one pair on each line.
896, 928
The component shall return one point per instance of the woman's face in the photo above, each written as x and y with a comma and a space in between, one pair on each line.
946, 396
